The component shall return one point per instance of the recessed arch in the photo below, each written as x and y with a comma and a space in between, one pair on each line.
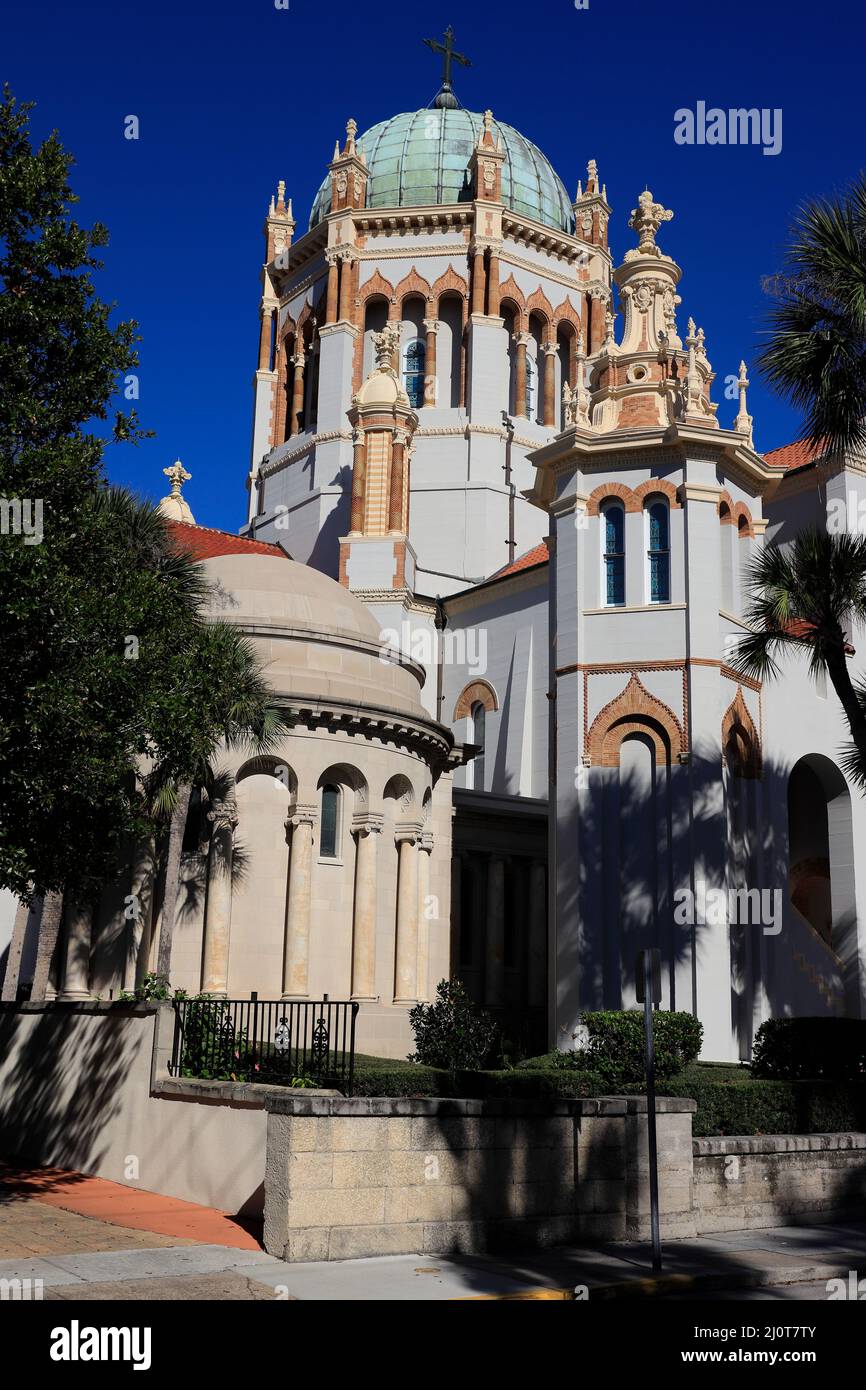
478, 692
741, 745
634, 711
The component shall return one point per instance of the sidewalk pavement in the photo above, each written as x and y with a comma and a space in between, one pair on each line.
88, 1239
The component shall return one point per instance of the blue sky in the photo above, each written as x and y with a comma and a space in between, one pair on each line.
232, 96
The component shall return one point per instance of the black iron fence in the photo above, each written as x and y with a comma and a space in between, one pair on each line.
277, 1042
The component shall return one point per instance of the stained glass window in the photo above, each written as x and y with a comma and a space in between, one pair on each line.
330, 822
614, 555
659, 554
414, 360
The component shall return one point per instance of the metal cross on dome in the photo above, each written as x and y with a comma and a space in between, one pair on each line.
449, 54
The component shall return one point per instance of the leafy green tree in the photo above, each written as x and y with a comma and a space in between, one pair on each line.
114, 687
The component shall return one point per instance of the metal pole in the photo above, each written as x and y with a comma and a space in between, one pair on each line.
651, 1115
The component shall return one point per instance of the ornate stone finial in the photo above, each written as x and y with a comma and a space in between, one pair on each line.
743, 422
281, 194
646, 219
175, 505
579, 193
488, 119
351, 128
385, 344
177, 476
592, 176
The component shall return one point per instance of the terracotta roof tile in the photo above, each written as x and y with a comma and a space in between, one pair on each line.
205, 543
795, 455
537, 556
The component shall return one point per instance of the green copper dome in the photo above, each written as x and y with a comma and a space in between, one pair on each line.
421, 158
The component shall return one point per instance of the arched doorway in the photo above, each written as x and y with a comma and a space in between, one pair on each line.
821, 882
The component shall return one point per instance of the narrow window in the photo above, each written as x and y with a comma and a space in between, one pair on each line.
613, 520
330, 822
659, 552
531, 386
414, 358
479, 719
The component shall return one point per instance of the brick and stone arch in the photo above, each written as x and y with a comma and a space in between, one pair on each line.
608, 492
449, 282
726, 508
412, 286
539, 304
743, 518
511, 294
376, 285
634, 711
654, 487
565, 313
478, 693
741, 745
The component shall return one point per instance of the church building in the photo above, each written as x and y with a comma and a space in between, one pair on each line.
494, 562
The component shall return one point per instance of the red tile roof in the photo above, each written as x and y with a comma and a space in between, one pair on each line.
205, 543
795, 455
537, 556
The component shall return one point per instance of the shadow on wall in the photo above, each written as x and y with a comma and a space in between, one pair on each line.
54, 1107
640, 838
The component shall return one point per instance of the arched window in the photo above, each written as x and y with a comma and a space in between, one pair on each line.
658, 552
479, 724
329, 839
613, 540
414, 359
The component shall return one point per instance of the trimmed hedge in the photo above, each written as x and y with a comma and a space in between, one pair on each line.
729, 1102
792, 1049
615, 1046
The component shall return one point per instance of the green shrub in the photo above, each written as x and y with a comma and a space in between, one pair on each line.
791, 1049
615, 1050
769, 1107
452, 1033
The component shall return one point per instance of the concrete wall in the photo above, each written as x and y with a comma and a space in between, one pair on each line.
774, 1179
82, 1086
347, 1178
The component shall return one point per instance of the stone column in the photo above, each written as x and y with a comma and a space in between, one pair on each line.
396, 493
298, 362
493, 285
265, 334
364, 915
16, 950
75, 983
431, 385
346, 281
296, 958
359, 482
596, 327
406, 951
549, 398
521, 340
425, 851
333, 283
478, 278
537, 934
456, 901
494, 952
223, 816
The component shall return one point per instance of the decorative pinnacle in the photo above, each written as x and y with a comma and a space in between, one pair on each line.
351, 127
385, 344
488, 119
646, 219
281, 192
177, 476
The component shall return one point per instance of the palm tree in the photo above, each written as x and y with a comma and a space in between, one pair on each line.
815, 354
806, 595
803, 597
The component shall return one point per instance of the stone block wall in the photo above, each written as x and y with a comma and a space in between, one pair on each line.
349, 1178
776, 1179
